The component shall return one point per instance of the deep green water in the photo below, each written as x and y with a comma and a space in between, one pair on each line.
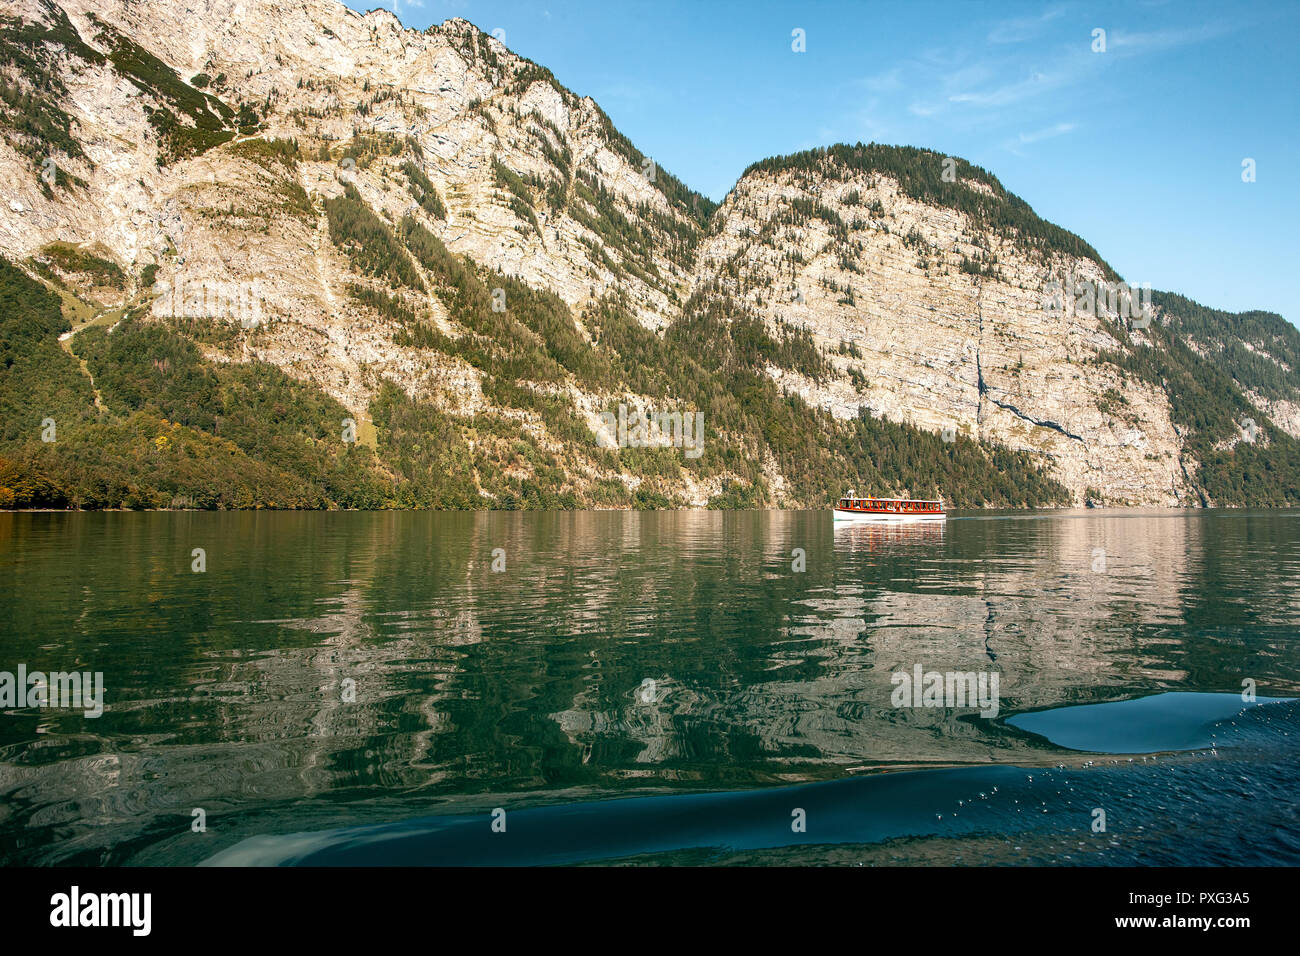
526, 689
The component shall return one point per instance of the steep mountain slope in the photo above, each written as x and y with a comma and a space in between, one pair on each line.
1260, 351
389, 268
933, 294
936, 312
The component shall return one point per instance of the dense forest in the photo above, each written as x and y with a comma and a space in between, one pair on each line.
1237, 342
162, 426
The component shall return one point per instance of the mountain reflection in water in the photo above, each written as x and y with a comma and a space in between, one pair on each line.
527, 688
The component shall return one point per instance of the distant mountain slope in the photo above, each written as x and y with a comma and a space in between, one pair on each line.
302, 257
1259, 351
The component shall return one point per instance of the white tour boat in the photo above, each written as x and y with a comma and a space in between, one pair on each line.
853, 508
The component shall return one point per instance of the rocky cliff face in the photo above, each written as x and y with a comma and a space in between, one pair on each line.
878, 278
327, 76
156, 139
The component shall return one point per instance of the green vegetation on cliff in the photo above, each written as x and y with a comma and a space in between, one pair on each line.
920, 175
1209, 408
1260, 351
176, 429
31, 119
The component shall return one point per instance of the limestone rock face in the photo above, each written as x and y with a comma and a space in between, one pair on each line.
226, 243
326, 74
939, 347
1283, 413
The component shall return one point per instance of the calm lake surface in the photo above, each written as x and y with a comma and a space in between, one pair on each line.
652, 688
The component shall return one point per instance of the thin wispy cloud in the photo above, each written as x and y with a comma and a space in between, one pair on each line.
1015, 145
999, 82
1050, 132
885, 82
1021, 29
1159, 40
1036, 84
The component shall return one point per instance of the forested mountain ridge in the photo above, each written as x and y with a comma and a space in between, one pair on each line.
287, 255
944, 301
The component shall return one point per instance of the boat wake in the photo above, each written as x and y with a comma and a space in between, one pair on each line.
1116, 809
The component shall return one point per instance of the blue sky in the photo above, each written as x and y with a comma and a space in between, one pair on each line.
1138, 149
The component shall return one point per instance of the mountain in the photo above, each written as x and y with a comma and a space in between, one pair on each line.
272, 254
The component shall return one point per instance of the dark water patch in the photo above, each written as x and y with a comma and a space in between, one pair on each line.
1173, 721
1113, 810
865, 809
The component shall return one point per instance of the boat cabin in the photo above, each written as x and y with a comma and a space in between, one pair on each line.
907, 506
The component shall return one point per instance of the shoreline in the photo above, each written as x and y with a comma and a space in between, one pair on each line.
968, 512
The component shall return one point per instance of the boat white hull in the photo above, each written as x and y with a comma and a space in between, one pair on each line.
887, 517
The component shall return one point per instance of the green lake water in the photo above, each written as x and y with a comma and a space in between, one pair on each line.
650, 687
